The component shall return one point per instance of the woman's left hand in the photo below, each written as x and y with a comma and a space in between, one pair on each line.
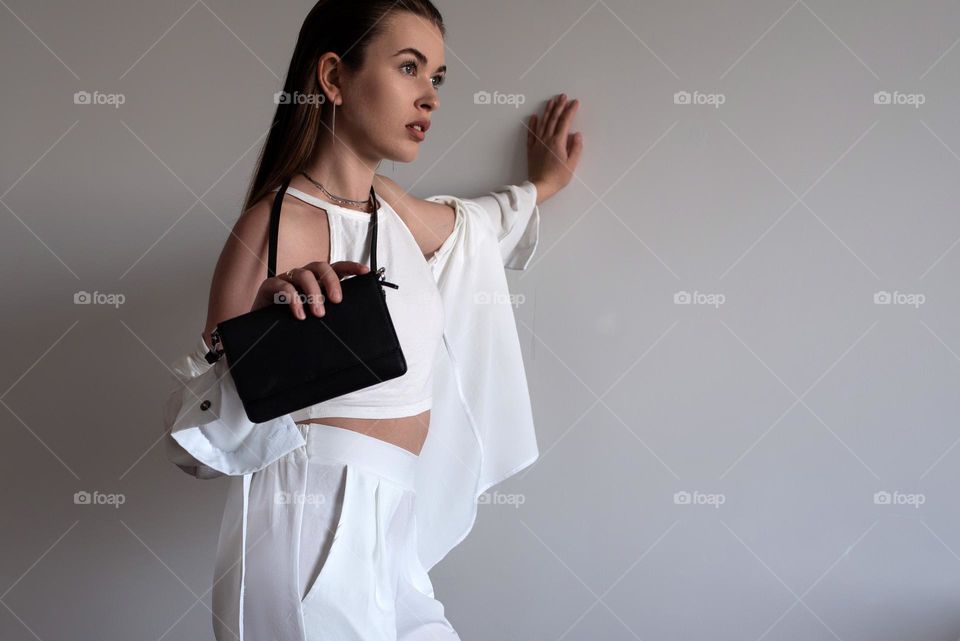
552, 151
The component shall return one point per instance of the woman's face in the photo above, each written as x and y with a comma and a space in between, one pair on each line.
397, 85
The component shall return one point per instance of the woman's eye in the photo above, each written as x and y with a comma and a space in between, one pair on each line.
437, 80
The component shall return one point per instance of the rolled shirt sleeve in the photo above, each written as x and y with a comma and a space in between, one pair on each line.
514, 215
209, 434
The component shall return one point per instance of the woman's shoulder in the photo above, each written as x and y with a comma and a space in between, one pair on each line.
405, 203
303, 235
429, 222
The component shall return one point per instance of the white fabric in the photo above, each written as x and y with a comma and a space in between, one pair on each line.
219, 438
481, 430
330, 550
416, 310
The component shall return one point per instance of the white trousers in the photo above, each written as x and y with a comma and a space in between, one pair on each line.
331, 548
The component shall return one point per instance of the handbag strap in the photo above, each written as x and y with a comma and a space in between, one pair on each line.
275, 230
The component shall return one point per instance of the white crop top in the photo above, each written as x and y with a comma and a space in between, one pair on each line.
416, 309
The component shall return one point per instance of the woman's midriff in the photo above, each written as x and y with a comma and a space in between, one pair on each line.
409, 432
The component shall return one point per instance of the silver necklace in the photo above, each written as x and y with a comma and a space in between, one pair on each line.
366, 205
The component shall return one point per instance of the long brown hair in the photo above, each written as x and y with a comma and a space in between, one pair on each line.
346, 28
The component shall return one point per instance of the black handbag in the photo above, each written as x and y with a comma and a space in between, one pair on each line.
281, 364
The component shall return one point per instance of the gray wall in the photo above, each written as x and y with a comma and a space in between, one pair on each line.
782, 399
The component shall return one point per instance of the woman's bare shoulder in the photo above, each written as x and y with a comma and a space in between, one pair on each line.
429, 222
400, 199
303, 235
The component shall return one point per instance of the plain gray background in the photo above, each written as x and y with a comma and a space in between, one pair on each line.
781, 400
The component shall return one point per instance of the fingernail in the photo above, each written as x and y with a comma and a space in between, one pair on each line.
300, 314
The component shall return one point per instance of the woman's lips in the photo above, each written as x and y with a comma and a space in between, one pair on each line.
416, 134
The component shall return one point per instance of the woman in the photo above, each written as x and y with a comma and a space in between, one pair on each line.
346, 504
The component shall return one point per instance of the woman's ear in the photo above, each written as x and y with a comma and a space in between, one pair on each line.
328, 76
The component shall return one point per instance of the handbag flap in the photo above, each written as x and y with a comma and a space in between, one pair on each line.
269, 350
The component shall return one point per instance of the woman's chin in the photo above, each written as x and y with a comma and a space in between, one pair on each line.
407, 154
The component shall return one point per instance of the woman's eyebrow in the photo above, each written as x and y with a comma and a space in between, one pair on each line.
422, 59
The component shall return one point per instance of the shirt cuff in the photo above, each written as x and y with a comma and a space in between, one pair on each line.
515, 217
209, 427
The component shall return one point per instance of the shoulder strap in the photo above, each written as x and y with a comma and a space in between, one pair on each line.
275, 229
373, 230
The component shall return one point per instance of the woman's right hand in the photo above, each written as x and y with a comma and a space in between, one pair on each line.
308, 279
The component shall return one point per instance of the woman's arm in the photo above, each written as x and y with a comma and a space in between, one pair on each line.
207, 431
240, 269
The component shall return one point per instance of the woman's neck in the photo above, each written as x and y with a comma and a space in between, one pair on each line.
343, 174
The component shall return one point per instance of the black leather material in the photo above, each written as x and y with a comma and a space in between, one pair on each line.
281, 364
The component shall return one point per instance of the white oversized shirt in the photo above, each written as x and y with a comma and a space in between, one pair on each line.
481, 424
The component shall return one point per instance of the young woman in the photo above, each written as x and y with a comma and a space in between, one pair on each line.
346, 504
